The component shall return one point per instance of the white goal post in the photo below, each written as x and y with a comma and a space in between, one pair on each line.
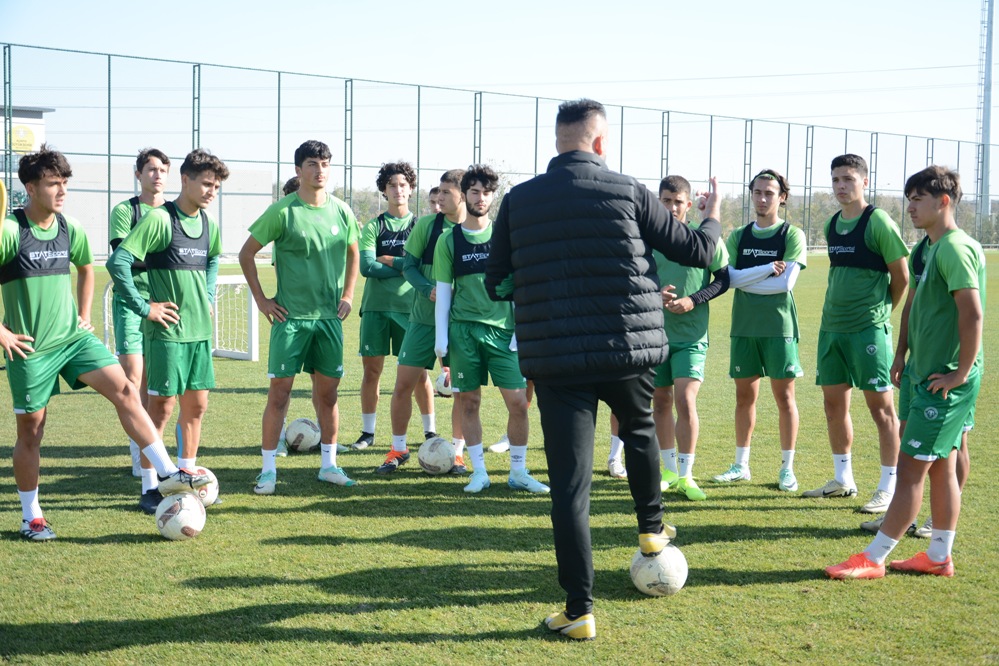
236, 331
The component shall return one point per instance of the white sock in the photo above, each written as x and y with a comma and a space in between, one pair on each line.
880, 548
787, 459
399, 443
668, 456
328, 452
616, 447
843, 469
133, 448
187, 463
270, 460
888, 477
941, 545
518, 457
478, 457
459, 446
685, 463
742, 456
30, 509
429, 422
157, 454
368, 422
149, 480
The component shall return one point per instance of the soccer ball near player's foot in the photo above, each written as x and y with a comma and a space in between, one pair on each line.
661, 575
436, 456
209, 493
180, 517
302, 435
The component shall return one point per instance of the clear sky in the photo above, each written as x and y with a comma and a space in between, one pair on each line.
903, 66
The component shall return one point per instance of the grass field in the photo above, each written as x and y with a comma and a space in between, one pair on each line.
410, 570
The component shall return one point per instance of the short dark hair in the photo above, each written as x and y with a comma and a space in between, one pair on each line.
390, 169
675, 184
433, 190
852, 161
312, 148
480, 173
200, 160
453, 177
577, 111
145, 154
935, 181
290, 186
35, 166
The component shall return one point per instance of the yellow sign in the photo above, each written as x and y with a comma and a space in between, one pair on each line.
22, 139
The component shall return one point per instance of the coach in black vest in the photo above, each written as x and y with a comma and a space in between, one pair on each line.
578, 242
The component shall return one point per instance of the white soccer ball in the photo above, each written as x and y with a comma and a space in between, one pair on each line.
207, 494
302, 435
661, 575
443, 384
180, 517
436, 456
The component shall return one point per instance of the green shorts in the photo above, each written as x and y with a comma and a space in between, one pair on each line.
382, 333
480, 350
33, 381
173, 368
127, 328
418, 347
776, 358
306, 345
905, 400
862, 359
686, 359
933, 426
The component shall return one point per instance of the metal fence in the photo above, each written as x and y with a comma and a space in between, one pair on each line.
103, 108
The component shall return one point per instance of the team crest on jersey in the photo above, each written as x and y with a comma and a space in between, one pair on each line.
872, 350
930, 413
335, 230
788, 341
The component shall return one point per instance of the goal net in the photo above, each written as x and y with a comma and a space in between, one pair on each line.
236, 328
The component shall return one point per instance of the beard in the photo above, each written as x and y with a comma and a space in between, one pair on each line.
474, 212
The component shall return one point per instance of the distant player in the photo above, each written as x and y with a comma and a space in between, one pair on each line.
868, 276
479, 333
151, 169
944, 369
45, 336
388, 297
179, 243
417, 353
316, 259
433, 200
290, 186
765, 258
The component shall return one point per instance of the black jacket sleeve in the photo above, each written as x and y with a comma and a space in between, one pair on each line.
716, 288
677, 241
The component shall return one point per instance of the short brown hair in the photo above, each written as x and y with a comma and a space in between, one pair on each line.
35, 166
200, 160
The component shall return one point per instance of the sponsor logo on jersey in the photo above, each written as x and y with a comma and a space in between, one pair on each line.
758, 252
914, 443
193, 252
842, 249
475, 256
393, 242
48, 255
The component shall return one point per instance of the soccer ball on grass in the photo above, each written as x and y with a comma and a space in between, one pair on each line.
180, 517
302, 435
436, 456
661, 575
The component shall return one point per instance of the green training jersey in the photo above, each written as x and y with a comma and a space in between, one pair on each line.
119, 226
188, 289
470, 302
310, 253
954, 262
390, 293
767, 315
416, 245
858, 298
43, 306
692, 326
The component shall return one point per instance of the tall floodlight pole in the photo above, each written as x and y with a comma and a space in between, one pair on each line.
985, 117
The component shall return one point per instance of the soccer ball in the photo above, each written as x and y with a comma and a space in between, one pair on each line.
436, 456
302, 435
180, 517
443, 383
207, 494
661, 575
